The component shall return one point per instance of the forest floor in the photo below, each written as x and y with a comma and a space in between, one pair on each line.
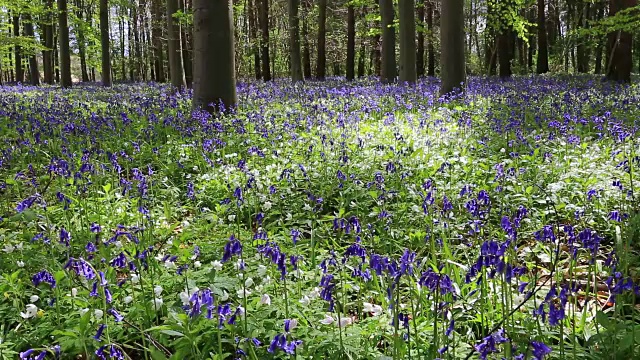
347, 220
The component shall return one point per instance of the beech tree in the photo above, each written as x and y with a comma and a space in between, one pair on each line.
452, 40
214, 79
388, 69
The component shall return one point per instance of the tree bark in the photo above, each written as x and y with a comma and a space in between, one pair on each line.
214, 85
388, 70
158, 48
253, 37
431, 54
599, 15
420, 50
176, 67
406, 10
185, 38
351, 42
452, 39
18, 49
65, 52
47, 54
620, 46
81, 41
542, 65
582, 50
294, 41
34, 73
105, 43
306, 51
321, 63
264, 24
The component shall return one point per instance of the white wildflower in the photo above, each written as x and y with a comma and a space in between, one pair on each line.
217, 265
265, 300
328, 320
31, 311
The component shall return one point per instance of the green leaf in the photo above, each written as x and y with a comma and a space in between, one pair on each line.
172, 333
603, 319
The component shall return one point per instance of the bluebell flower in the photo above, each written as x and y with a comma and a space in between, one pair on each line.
44, 277
295, 234
232, 247
540, 350
116, 315
98, 334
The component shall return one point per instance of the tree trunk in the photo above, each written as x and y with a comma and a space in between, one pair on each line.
582, 50
620, 46
431, 54
452, 37
81, 42
306, 51
504, 52
214, 80
351, 42
65, 52
186, 46
34, 73
137, 55
253, 37
294, 41
264, 24
542, 65
123, 59
388, 70
18, 50
599, 47
105, 43
176, 67
47, 54
420, 51
406, 11
321, 63
362, 59
158, 48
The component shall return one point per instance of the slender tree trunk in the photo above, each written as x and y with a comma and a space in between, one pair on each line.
388, 71
47, 53
34, 73
253, 37
431, 54
542, 65
407, 41
81, 42
620, 46
294, 41
65, 52
123, 59
306, 51
362, 59
176, 68
18, 49
452, 39
264, 25
351, 42
599, 47
186, 46
158, 48
214, 56
582, 50
56, 58
105, 43
420, 51
321, 63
